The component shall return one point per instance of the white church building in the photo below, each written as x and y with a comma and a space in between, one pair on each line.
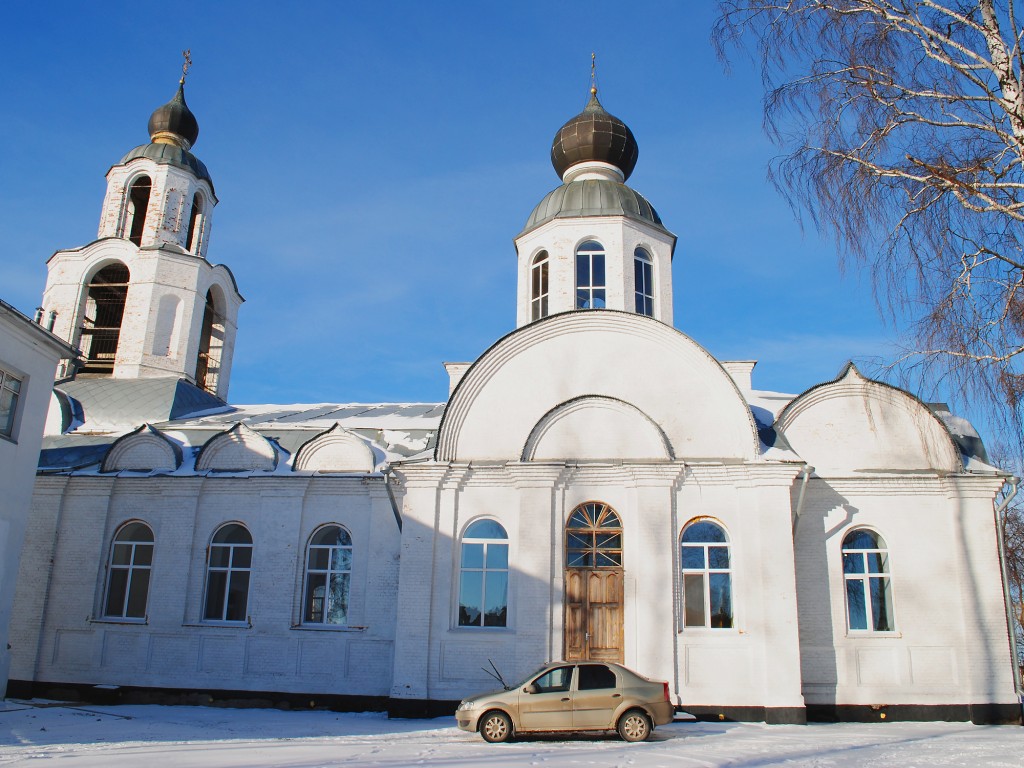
597, 485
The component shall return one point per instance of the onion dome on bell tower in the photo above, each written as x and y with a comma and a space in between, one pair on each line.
174, 123
594, 136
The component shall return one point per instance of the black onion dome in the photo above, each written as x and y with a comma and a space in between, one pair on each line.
594, 135
175, 117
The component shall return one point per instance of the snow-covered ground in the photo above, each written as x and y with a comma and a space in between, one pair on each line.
152, 736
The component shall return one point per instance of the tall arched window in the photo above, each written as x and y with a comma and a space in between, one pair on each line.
328, 576
590, 280
105, 298
227, 574
137, 208
868, 584
707, 576
194, 224
643, 280
483, 576
539, 286
131, 558
211, 345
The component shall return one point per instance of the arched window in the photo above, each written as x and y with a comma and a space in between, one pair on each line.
593, 537
227, 574
868, 584
131, 558
138, 206
105, 298
643, 280
328, 574
707, 576
194, 224
211, 346
483, 582
590, 282
539, 286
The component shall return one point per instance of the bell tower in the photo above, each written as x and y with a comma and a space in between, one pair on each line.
593, 242
143, 300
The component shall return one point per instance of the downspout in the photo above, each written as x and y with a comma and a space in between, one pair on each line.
391, 495
1000, 513
806, 472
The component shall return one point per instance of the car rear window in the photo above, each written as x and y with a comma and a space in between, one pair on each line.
595, 676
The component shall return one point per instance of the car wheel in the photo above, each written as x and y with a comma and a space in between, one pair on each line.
495, 727
634, 726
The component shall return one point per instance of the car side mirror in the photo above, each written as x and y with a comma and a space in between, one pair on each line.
531, 688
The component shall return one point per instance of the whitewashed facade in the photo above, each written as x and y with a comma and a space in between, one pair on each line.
596, 486
29, 355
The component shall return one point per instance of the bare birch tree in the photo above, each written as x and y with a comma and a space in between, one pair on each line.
902, 125
1013, 535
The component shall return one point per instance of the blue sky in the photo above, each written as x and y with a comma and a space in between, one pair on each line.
374, 161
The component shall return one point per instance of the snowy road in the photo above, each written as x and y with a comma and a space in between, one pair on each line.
153, 736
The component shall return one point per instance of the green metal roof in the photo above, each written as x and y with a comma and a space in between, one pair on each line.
593, 197
169, 154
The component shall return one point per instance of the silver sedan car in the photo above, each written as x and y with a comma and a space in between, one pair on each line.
571, 696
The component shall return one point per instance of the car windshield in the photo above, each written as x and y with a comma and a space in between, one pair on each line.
532, 675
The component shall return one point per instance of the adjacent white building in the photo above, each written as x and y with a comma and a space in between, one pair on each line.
29, 355
597, 486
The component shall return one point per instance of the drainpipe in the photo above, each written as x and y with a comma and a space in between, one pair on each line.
1000, 513
806, 473
391, 496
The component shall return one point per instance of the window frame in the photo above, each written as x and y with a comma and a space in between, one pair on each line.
132, 569
706, 571
594, 536
643, 281
586, 293
488, 544
14, 384
231, 570
866, 576
196, 219
306, 608
540, 285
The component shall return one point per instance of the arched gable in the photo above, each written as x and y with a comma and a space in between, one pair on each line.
594, 428
619, 356
855, 424
336, 450
145, 449
239, 449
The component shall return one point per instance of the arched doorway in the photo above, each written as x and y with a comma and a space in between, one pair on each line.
593, 583
105, 298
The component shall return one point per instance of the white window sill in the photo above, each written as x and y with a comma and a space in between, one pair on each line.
326, 628
867, 634
118, 620
221, 624
482, 630
711, 631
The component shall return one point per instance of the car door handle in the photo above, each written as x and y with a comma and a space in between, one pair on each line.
566, 698
616, 695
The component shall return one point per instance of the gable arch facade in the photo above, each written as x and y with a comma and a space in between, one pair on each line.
617, 356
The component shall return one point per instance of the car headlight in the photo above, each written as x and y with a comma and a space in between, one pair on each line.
465, 705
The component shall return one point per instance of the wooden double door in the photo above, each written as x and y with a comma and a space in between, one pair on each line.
594, 589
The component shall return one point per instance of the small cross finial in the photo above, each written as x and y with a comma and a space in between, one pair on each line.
593, 73
187, 54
